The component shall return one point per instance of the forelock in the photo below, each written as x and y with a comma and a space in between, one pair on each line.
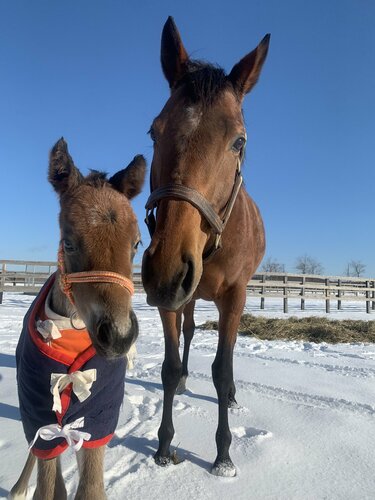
203, 82
95, 178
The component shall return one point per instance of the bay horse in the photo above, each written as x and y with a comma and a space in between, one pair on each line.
207, 236
71, 356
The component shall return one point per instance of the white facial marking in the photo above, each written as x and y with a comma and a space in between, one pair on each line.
194, 116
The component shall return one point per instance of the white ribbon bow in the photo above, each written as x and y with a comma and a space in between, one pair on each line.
82, 382
73, 437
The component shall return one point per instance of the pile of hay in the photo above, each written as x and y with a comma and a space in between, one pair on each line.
312, 329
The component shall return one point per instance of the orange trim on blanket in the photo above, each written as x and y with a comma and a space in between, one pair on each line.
66, 349
72, 342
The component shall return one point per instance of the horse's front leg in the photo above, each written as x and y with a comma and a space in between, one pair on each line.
188, 331
230, 309
91, 480
170, 375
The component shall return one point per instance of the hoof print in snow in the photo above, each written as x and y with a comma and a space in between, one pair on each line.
223, 468
250, 432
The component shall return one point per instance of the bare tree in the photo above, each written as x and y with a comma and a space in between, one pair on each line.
356, 268
271, 265
347, 271
308, 265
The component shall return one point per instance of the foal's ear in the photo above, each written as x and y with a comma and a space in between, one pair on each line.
62, 173
129, 181
245, 73
173, 56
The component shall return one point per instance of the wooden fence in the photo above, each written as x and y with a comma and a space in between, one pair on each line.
29, 276
304, 287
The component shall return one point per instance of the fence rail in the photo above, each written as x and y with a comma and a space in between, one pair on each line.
312, 287
29, 277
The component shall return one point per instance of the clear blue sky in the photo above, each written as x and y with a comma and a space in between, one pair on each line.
89, 70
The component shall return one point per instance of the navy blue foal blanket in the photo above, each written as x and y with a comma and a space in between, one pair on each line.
36, 361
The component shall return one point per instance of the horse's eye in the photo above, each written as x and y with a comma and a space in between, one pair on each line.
68, 246
239, 144
151, 133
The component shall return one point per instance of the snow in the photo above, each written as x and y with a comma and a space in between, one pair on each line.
304, 429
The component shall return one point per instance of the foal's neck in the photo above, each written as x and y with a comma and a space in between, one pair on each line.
60, 304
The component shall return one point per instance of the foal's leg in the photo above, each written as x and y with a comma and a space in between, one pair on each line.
230, 308
50, 483
170, 375
91, 481
188, 330
19, 490
60, 490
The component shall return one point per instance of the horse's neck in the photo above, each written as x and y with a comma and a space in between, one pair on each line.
60, 303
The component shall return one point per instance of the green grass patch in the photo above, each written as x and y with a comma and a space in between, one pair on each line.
312, 329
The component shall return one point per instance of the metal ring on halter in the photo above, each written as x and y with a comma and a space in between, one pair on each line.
74, 313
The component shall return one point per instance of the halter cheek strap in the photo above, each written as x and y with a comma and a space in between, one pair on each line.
180, 192
67, 279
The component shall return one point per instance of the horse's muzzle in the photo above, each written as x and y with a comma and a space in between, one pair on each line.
168, 292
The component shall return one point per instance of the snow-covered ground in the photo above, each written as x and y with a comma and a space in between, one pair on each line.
305, 428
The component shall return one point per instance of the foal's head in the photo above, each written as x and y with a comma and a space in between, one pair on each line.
99, 232
199, 139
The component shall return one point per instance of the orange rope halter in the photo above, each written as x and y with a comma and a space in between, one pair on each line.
66, 279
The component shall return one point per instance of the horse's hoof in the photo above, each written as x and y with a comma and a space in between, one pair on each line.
165, 461
223, 468
162, 461
181, 388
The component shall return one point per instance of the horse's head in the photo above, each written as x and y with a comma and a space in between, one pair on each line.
199, 139
99, 232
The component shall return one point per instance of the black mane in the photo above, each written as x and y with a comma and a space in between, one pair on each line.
203, 82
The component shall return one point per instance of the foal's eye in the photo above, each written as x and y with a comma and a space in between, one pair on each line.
239, 144
151, 133
68, 246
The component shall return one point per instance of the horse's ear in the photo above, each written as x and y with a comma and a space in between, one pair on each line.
62, 173
245, 73
129, 181
174, 57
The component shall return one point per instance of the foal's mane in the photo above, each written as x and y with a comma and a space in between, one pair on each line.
203, 82
95, 179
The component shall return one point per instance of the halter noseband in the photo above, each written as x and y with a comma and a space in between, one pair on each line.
198, 201
67, 279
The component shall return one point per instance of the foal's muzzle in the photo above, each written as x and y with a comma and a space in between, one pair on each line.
109, 342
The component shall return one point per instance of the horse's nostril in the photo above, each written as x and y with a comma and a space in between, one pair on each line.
104, 332
187, 282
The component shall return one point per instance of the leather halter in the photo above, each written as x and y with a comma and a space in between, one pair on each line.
67, 279
180, 192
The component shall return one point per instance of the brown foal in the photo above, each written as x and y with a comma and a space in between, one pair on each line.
99, 238
207, 233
